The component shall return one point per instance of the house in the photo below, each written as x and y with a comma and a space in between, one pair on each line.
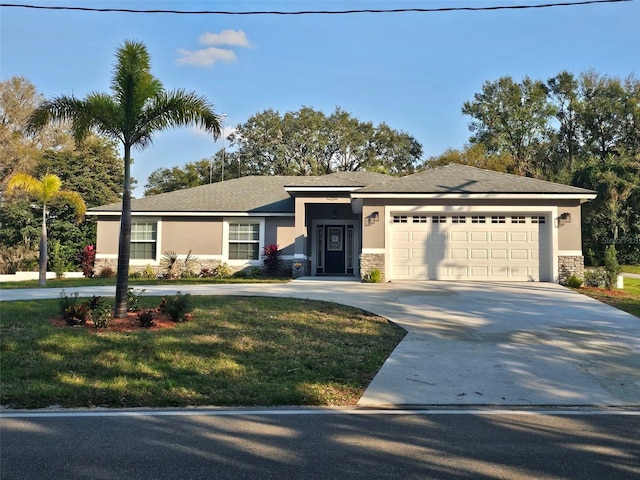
450, 223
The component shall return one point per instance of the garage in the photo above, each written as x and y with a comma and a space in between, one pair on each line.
509, 246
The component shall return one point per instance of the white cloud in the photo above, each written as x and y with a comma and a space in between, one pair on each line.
205, 57
226, 37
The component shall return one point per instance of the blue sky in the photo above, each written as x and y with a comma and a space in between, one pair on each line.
411, 70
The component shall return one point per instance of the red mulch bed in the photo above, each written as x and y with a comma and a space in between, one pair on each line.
128, 324
605, 292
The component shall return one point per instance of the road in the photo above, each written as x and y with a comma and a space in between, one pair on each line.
320, 444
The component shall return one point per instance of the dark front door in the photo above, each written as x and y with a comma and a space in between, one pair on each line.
334, 249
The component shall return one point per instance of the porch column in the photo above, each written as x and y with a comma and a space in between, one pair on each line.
300, 230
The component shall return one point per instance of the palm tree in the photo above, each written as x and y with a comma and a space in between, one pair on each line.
45, 191
137, 107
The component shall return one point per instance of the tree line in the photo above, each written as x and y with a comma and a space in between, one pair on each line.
582, 130
579, 130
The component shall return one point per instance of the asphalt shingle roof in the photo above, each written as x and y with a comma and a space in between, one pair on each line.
245, 194
456, 179
258, 194
340, 179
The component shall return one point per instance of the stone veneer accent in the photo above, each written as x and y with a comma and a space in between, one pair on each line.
371, 261
570, 265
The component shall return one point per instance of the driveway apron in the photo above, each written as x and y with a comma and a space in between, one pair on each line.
471, 343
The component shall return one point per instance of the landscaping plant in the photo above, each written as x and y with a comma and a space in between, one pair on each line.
88, 261
611, 266
271, 260
177, 307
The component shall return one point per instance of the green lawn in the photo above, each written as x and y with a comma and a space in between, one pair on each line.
627, 299
235, 351
631, 269
94, 282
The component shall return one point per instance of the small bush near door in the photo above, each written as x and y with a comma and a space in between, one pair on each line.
374, 276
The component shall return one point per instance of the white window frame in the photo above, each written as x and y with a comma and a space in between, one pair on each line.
225, 240
158, 224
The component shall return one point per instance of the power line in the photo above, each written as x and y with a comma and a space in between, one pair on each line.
315, 12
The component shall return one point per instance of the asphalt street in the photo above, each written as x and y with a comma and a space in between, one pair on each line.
320, 444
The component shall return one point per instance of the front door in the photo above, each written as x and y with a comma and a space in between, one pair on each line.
334, 249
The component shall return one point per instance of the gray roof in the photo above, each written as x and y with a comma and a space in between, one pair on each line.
258, 194
457, 179
245, 194
254, 194
340, 179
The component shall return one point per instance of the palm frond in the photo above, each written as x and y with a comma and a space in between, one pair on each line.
75, 200
177, 108
51, 185
25, 183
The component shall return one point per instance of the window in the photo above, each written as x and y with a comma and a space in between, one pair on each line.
496, 219
399, 219
143, 240
538, 219
458, 219
420, 219
478, 219
438, 219
518, 219
244, 241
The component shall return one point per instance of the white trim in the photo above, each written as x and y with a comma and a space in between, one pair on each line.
373, 251
300, 256
187, 213
225, 242
570, 253
480, 196
321, 189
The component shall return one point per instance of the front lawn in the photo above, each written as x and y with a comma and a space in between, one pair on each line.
631, 269
133, 282
236, 351
627, 299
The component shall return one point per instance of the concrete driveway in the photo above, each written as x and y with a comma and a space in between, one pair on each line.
471, 343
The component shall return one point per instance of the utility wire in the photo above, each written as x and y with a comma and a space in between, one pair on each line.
315, 12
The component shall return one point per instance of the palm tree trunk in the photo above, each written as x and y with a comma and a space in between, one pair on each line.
42, 260
124, 243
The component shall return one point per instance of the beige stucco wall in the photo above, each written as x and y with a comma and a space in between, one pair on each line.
107, 236
203, 236
281, 231
372, 227
570, 234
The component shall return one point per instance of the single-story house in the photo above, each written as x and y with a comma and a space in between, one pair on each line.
449, 223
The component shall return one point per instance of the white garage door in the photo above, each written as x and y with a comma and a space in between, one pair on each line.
470, 247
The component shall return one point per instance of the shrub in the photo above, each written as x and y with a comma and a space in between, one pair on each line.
240, 274
611, 266
573, 281
222, 271
88, 261
100, 311
107, 272
177, 307
271, 260
169, 264
58, 261
146, 318
595, 278
74, 313
374, 276
16, 257
255, 272
188, 266
149, 272
133, 298
205, 272
135, 274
